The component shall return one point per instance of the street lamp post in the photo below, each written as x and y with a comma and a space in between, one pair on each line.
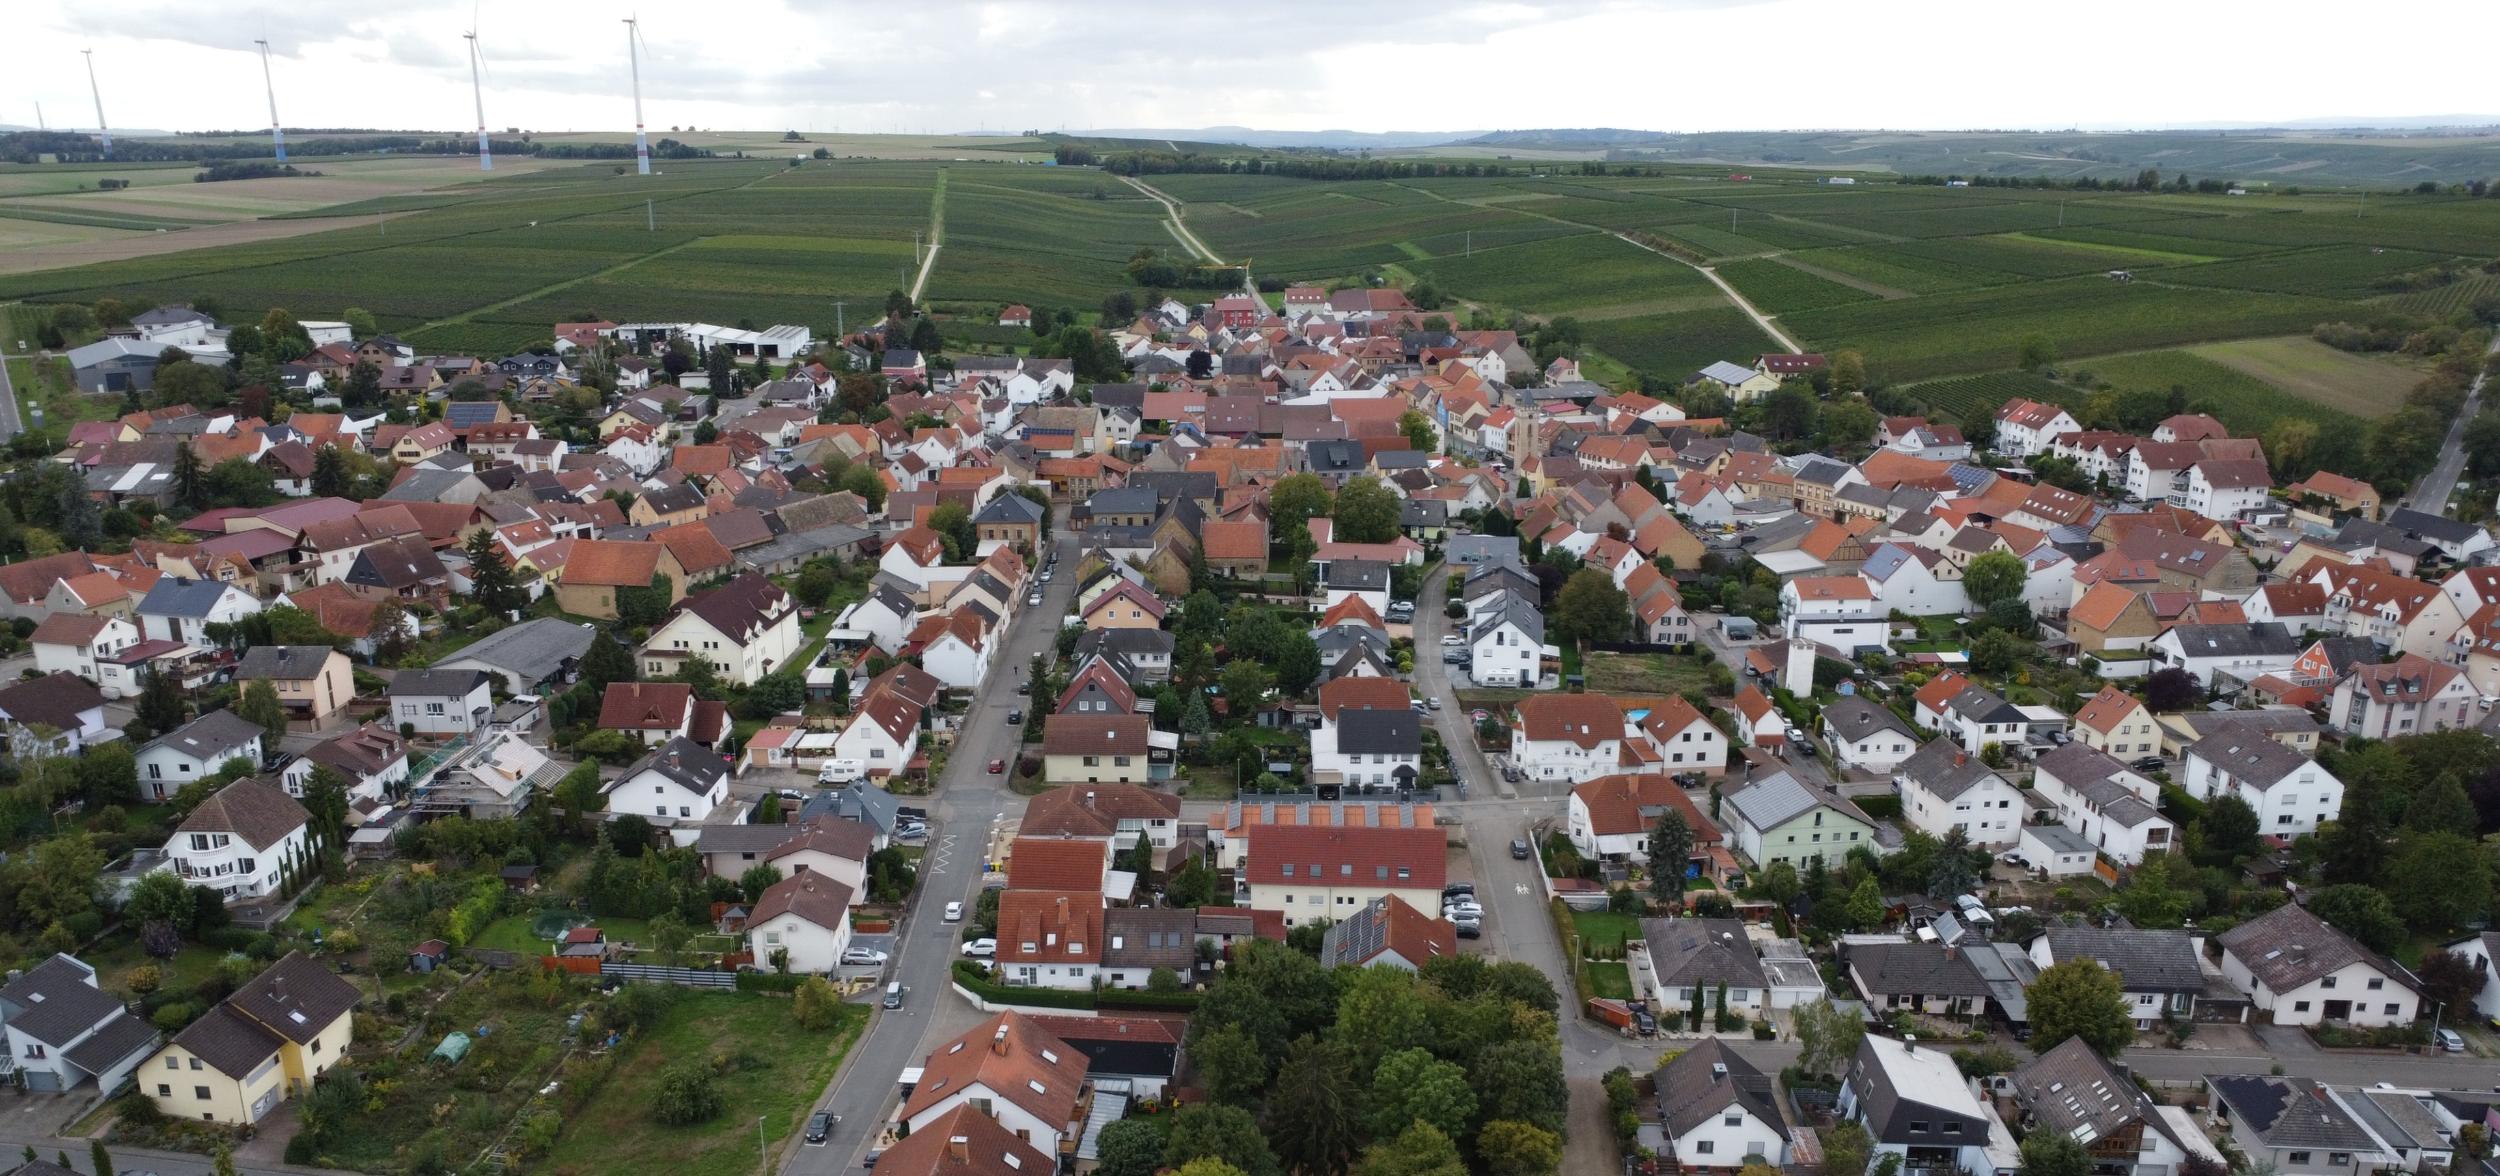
759, 1143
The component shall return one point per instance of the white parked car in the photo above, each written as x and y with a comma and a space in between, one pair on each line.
863, 956
981, 949
954, 912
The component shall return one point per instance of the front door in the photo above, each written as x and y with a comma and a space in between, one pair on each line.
2339, 1010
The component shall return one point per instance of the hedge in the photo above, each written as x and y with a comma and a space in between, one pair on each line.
975, 980
1882, 808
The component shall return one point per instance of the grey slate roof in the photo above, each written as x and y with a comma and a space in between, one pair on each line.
1982, 705
436, 683
532, 651
1380, 732
1854, 719
1149, 937
285, 663
2249, 755
211, 736
1520, 611
1365, 575
1924, 969
53, 1001
1702, 951
1942, 767
1010, 508
1708, 1079
1770, 801
1129, 643
2145, 959
2093, 775
2287, 947
684, 762
174, 596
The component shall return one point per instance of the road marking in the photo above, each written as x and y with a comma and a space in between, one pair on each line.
1522, 887
942, 855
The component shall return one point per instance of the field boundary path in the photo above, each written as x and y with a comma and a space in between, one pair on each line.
10, 422
2430, 495
937, 231
1759, 319
473, 312
1887, 293
1180, 229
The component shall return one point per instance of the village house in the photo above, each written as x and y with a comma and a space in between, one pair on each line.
675, 787
746, 628
1944, 787
260, 1046
1781, 818
195, 750
244, 842
2305, 972
1330, 873
314, 683
441, 702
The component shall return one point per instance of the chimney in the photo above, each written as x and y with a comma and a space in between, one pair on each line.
1960, 758
998, 1040
959, 1148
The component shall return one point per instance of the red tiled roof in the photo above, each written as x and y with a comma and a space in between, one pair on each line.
1615, 805
612, 563
1057, 863
645, 706
1584, 719
1361, 857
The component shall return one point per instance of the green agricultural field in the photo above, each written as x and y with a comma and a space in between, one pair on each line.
1674, 346
2445, 300
1776, 289
1573, 276
1979, 330
2338, 380
2242, 401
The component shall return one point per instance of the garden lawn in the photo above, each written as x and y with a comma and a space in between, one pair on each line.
1612, 980
1605, 929
778, 1071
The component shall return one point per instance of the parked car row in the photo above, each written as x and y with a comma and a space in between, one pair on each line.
1459, 906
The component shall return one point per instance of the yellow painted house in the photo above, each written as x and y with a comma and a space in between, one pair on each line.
256, 1049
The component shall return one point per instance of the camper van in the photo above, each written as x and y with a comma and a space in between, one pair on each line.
841, 771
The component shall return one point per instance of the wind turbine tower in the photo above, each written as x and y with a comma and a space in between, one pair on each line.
485, 153
102, 132
633, 54
277, 134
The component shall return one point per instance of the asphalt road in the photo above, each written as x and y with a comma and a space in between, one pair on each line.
1432, 680
2430, 495
10, 421
967, 804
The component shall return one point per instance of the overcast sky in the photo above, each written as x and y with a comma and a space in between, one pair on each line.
1691, 65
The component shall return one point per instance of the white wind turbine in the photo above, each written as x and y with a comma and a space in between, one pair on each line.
277, 134
477, 90
633, 54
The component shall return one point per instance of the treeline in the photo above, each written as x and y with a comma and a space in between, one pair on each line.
70, 147
247, 169
663, 149
1149, 163
2150, 180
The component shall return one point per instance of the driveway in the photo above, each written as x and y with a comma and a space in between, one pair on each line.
968, 803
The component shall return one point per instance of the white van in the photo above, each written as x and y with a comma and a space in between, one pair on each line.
841, 771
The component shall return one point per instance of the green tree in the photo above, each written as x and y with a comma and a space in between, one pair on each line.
222, 1163
98, 1158
1845, 1150
1297, 663
1421, 1149
1226, 1133
2440, 805
162, 703
687, 1094
2227, 832
759, 878
2363, 912
491, 577
1848, 373
2053, 1153
109, 775
1670, 849
1865, 909
1826, 1037
604, 662
1779, 883
1521, 1078
2035, 353
1314, 1113
1411, 1086
816, 1006
1591, 608
1132, 1146
1366, 512
1419, 431
1993, 576
325, 797
1208, 1166
953, 523
1231, 1066
1245, 688
1788, 412
330, 476
260, 705
1508, 1147
2079, 998
646, 606
1848, 423
1949, 869
190, 483
2152, 896
2440, 880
